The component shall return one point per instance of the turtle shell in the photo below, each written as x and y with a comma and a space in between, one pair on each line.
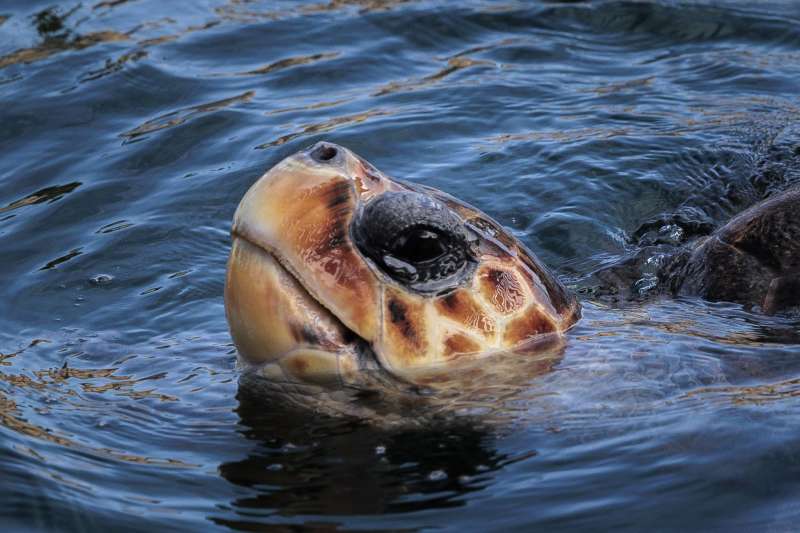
754, 259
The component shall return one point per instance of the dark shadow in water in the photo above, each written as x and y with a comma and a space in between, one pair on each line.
305, 465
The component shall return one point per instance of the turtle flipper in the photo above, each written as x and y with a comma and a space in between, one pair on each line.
783, 293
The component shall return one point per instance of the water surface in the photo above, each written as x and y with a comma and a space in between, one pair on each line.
131, 129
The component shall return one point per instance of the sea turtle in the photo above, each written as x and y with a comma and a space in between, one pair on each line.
338, 271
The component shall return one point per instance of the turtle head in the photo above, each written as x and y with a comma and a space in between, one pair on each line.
336, 266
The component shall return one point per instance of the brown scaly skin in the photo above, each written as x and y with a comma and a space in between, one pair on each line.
305, 304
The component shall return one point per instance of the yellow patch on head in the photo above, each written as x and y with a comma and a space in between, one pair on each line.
311, 366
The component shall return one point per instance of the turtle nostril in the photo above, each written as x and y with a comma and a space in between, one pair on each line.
323, 152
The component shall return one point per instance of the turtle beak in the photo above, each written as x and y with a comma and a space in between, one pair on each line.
300, 213
269, 312
295, 284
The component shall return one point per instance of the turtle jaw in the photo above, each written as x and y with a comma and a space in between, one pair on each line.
279, 328
300, 212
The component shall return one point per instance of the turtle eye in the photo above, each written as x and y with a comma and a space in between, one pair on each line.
419, 245
414, 239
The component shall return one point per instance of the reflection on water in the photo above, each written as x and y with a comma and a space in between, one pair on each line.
175, 118
601, 134
57, 38
48, 194
350, 468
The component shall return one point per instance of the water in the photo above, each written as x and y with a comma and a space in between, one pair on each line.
131, 129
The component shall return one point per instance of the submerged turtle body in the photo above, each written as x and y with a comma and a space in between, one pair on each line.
337, 271
754, 259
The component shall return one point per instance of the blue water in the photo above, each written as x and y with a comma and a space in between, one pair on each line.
129, 130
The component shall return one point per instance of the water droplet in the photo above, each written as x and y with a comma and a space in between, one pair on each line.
437, 475
101, 279
646, 284
672, 233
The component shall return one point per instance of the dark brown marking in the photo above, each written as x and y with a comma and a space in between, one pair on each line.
338, 201
459, 344
298, 365
336, 235
454, 304
562, 300
461, 307
331, 235
398, 314
532, 323
494, 276
304, 334
405, 328
339, 195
